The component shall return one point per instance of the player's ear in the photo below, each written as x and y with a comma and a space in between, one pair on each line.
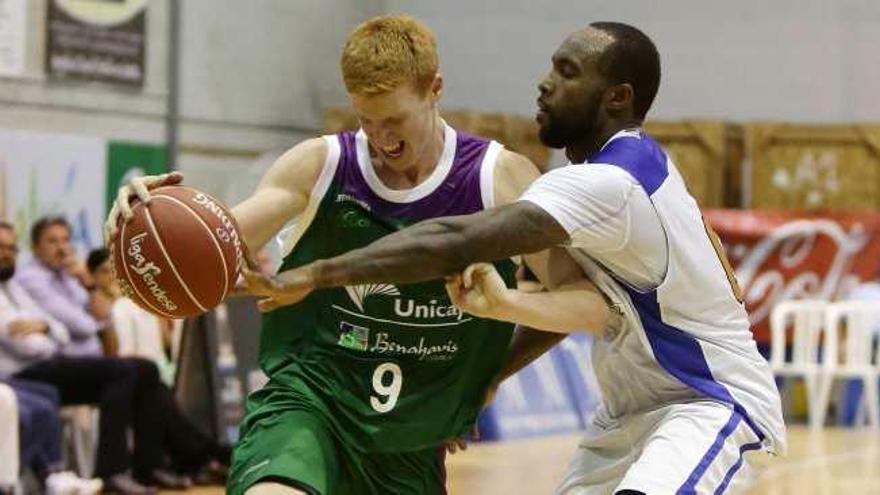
619, 97
436, 88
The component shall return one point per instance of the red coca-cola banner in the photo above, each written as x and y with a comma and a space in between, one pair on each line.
796, 255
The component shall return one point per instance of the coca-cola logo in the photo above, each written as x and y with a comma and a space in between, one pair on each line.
809, 258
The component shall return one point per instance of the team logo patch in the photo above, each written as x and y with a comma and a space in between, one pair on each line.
355, 213
358, 293
354, 218
353, 336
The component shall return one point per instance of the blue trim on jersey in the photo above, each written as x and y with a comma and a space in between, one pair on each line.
733, 469
641, 156
690, 484
680, 354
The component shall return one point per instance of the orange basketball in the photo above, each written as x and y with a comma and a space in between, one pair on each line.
180, 254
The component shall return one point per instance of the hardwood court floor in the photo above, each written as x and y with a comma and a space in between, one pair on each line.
825, 462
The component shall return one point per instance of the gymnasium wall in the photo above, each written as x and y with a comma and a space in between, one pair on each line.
252, 79
255, 79
790, 60
33, 103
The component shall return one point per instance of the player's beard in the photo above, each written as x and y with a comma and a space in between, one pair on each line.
571, 125
6, 272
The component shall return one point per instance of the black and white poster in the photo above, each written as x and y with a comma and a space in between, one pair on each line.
96, 40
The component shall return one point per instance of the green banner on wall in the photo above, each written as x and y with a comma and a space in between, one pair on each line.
128, 160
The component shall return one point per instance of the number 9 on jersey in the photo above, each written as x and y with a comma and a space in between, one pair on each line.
386, 388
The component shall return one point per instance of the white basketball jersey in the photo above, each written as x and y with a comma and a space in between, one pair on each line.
687, 336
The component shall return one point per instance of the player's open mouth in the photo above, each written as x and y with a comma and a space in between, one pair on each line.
393, 151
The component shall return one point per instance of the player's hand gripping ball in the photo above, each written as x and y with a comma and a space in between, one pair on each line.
179, 254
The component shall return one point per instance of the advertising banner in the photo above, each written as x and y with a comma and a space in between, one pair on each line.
796, 255
96, 40
57, 174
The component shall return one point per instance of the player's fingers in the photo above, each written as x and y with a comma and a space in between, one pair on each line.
122, 201
252, 263
256, 282
483, 269
250, 277
267, 305
455, 445
475, 431
110, 225
239, 289
154, 181
249, 260
475, 273
109, 234
453, 289
467, 277
171, 179
454, 282
487, 276
139, 185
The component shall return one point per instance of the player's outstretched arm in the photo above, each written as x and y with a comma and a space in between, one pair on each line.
425, 251
435, 248
282, 194
444, 246
430, 249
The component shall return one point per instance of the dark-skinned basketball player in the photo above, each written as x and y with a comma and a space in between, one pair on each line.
368, 381
688, 403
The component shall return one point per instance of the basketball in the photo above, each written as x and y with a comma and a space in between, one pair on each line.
180, 253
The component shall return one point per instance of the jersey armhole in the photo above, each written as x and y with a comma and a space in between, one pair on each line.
487, 174
487, 182
290, 236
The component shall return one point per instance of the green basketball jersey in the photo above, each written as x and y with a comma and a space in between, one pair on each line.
392, 368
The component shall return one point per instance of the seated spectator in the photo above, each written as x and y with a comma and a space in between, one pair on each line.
139, 333
142, 334
31, 348
56, 279
40, 440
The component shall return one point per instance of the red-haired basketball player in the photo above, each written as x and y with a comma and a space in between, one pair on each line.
367, 381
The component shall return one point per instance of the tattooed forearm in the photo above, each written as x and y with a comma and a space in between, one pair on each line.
439, 247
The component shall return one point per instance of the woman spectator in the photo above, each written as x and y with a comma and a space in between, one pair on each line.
138, 332
144, 335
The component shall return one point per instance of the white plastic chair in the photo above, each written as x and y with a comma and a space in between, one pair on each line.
857, 319
808, 318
